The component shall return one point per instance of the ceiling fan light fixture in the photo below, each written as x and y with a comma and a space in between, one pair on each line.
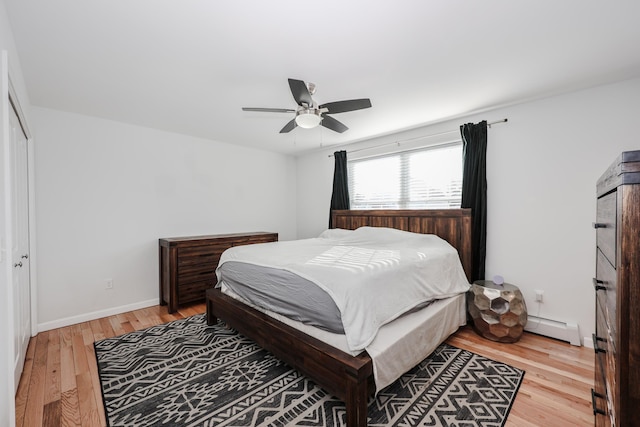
309, 114
308, 119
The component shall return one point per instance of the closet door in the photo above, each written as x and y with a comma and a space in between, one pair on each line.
20, 243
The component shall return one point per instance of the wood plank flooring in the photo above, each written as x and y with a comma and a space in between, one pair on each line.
60, 386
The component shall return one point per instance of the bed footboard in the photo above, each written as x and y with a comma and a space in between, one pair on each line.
347, 377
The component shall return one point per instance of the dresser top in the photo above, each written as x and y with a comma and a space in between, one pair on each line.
624, 170
173, 241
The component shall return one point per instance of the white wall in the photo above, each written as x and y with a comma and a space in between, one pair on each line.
542, 169
107, 191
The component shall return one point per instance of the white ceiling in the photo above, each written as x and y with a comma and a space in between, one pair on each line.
188, 66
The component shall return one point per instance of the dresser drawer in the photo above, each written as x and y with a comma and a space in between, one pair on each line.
200, 254
606, 223
599, 399
600, 410
197, 273
607, 297
251, 240
191, 292
605, 358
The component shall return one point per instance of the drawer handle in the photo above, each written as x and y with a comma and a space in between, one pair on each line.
593, 403
595, 339
597, 283
599, 225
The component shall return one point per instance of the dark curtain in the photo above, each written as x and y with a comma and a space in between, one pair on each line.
474, 190
340, 196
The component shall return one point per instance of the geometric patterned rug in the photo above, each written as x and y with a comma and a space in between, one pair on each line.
186, 373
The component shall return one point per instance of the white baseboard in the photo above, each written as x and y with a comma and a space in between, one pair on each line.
68, 321
587, 342
564, 331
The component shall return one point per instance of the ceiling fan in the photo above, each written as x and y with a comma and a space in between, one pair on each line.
309, 114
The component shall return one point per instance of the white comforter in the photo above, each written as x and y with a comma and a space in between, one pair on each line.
373, 274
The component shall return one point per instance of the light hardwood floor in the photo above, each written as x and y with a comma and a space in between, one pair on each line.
60, 386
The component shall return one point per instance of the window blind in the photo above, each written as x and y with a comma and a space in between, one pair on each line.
417, 179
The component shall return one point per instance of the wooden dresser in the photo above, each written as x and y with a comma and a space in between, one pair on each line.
616, 394
188, 264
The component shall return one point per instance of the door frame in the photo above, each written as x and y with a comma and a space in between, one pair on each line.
9, 99
15, 103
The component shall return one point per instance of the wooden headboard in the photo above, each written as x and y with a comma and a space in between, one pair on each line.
453, 225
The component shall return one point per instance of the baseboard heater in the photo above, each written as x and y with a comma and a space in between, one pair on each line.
564, 331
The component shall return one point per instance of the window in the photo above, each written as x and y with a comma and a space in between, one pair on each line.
417, 179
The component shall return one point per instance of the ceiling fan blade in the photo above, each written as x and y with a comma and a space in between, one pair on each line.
289, 126
300, 92
331, 123
344, 106
269, 110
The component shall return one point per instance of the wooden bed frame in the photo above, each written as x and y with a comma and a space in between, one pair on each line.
347, 377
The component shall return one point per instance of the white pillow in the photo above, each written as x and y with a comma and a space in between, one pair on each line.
335, 233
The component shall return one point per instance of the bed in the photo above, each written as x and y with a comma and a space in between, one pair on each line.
349, 377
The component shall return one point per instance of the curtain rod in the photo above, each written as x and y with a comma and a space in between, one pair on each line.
417, 138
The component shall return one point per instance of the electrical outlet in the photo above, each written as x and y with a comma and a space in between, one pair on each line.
108, 283
539, 294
